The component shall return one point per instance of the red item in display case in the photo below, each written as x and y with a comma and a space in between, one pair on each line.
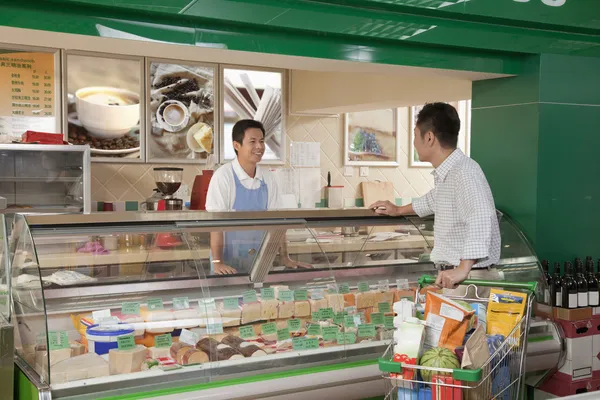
440, 392
42, 138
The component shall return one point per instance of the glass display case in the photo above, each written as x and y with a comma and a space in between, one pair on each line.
6, 326
118, 303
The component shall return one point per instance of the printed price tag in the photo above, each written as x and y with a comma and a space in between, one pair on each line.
293, 325
155, 304
332, 289
346, 338
317, 294
377, 318
384, 307
267, 294
249, 296
214, 326
269, 329
363, 286
402, 284
311, 343
283, 334
163, 340
231, 303
58, 340
126, 342
330, 333
366, 330
181, 303
300, 295
315, 316
326, 313
207, 304
383, 285
100, 315
388, 322
349, 321
314, 330
188, 337
299, 343
344, 288
130, 308
338, 318
247, 332
286, 295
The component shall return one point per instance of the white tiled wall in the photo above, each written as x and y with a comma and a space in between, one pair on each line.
128, 182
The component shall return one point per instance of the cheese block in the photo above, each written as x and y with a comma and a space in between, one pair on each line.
126, 361
269, 309
317, 304
278, 288
301, 309
77, 349
230, 317
404, 294
180, 353
85, 366
250, 350
336, 301
365, 300
251, 312
217, 351
384, 297
193, 356
157, 352
286, 309
349, 300
156, 315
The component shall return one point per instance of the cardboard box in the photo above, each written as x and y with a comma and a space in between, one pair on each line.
543, 310
596, 356
579, 360
558, 387
572, 314
577, 329
440, 392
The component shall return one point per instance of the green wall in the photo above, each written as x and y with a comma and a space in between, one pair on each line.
536, 137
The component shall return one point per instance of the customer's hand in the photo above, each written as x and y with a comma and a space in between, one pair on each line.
450, 279
223, 269
385, 208
293, 264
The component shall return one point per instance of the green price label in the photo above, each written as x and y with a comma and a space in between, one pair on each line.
214, 328
286, 295
346, 338
269, 329
130, 308
384, 307
332, 290
366, 330
315, 316
283, 334
409, 298
326, 313
338, 318
58, 340
349, 321
267, 293
388, 322
344, 288
207, 304
181, 303
312, 343
330, 333
300, 295
314, 330
231, 303
163, 340
155, 304
293, 325
126, 342
247, 332
249, 296
363, 286
377, 318
299, 343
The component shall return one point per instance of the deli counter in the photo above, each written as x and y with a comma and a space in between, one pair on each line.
125, 305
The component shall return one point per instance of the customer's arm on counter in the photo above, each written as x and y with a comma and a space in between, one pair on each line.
423, 206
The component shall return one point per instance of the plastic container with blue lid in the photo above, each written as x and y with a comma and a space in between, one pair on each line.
103, 338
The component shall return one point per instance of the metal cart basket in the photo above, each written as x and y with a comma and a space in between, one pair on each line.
501, 377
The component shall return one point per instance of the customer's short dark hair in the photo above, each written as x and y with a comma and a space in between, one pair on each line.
240, 128
441, 119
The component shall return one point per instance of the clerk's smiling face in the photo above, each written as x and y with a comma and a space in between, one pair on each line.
252, 147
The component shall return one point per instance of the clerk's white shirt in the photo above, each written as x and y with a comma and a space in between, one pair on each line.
221, 191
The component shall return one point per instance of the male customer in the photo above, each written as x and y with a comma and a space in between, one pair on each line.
243, 185
466, 232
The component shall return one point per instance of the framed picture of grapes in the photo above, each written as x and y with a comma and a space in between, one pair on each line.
371, 138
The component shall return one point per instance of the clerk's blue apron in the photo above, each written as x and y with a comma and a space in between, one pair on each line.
240, 247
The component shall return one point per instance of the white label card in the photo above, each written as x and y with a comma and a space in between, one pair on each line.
446, 310
100, 315
402, 284
208, 304
435, 324
188, 337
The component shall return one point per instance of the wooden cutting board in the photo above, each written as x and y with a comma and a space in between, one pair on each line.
375, 191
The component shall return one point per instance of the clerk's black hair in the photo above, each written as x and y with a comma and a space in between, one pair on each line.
441, 119
240, 128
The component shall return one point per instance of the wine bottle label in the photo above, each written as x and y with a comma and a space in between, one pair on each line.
558, 299
572, 300
547, 296
582, 299
593, 299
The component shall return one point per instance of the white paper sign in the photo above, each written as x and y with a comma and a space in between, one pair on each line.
100, 315
305, 154
188, 337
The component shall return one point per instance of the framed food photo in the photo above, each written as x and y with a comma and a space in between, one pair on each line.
371, 138
103, 98
181, 111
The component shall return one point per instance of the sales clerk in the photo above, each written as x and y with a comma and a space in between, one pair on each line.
243, 185
466, 232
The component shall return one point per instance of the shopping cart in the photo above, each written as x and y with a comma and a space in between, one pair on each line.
501, 377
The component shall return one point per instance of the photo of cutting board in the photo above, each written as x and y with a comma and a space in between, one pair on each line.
375, 191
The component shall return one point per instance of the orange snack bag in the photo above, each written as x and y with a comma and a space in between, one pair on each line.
447, 322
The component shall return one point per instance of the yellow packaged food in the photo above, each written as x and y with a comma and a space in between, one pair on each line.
505, 310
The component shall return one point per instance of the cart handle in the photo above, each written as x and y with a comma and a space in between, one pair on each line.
531, 286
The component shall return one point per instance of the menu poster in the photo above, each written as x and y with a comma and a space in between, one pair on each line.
27, 98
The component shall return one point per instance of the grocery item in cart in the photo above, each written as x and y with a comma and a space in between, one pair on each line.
408, 339
505, 310
442, 392
438, 357
447, 321
403, 309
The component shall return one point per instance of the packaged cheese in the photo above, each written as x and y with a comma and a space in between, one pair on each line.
251, 312
349, 300
269, 309
286, 309
85, 366
126, 361
301, 309
384, 297
230, 317
157, 352
365, 300
336, 302
317, 304
447, 321
505, 310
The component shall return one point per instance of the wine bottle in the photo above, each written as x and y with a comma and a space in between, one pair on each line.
582, 288
592, 284
598, 271
555, 288
569, 287
548, 280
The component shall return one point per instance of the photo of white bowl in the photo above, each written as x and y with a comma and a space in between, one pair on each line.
107, 112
